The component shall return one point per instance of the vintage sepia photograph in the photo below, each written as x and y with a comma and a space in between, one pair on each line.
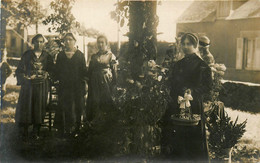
130, 81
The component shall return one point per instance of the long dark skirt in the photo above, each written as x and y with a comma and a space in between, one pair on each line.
32, 102
70, 110
185, 143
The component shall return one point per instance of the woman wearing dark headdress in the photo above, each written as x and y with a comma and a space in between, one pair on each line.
190, 74
70, 70
102, 78
32, 76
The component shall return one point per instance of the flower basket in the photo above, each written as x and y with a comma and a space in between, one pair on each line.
178, 120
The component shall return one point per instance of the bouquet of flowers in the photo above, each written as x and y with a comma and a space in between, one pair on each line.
38, 75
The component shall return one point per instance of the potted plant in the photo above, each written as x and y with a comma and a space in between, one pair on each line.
223, 133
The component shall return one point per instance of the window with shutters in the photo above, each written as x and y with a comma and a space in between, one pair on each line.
248, 53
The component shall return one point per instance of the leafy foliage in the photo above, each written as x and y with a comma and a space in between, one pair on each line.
143, 23
142, 104
218, 71
132, 128
23, 13
62, 20
245, 153
103, 137
90, 32
121, 13
224, 133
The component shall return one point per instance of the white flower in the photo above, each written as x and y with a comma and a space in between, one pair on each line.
221, 73
151, 63
136, 44
213, 69
151, 89
221, 67
131, 81
159, 78
139, 85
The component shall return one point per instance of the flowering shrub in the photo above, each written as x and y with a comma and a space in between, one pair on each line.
224, 133
218, 71
131, 128
142, 104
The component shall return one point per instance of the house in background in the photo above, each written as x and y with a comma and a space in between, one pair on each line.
234, 30
16, 42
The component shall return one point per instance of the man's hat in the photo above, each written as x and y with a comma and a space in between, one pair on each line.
204, 41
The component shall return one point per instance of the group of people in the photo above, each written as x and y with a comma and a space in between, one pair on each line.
191, 73
71, 72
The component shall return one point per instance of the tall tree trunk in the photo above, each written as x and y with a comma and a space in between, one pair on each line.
151, 29
136, 20
143, 22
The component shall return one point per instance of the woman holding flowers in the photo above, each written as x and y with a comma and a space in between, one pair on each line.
32, 76
190, 74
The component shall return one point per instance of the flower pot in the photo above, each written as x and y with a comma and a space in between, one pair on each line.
227, 154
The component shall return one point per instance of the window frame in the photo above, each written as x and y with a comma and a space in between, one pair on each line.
248, 35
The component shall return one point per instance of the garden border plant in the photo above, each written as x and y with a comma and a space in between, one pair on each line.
223, 132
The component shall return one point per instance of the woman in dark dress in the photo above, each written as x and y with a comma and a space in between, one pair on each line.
70, 71
193, 74
32, 76
102, 79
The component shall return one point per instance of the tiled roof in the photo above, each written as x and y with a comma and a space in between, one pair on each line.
199, 11
250, 9
205, 11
